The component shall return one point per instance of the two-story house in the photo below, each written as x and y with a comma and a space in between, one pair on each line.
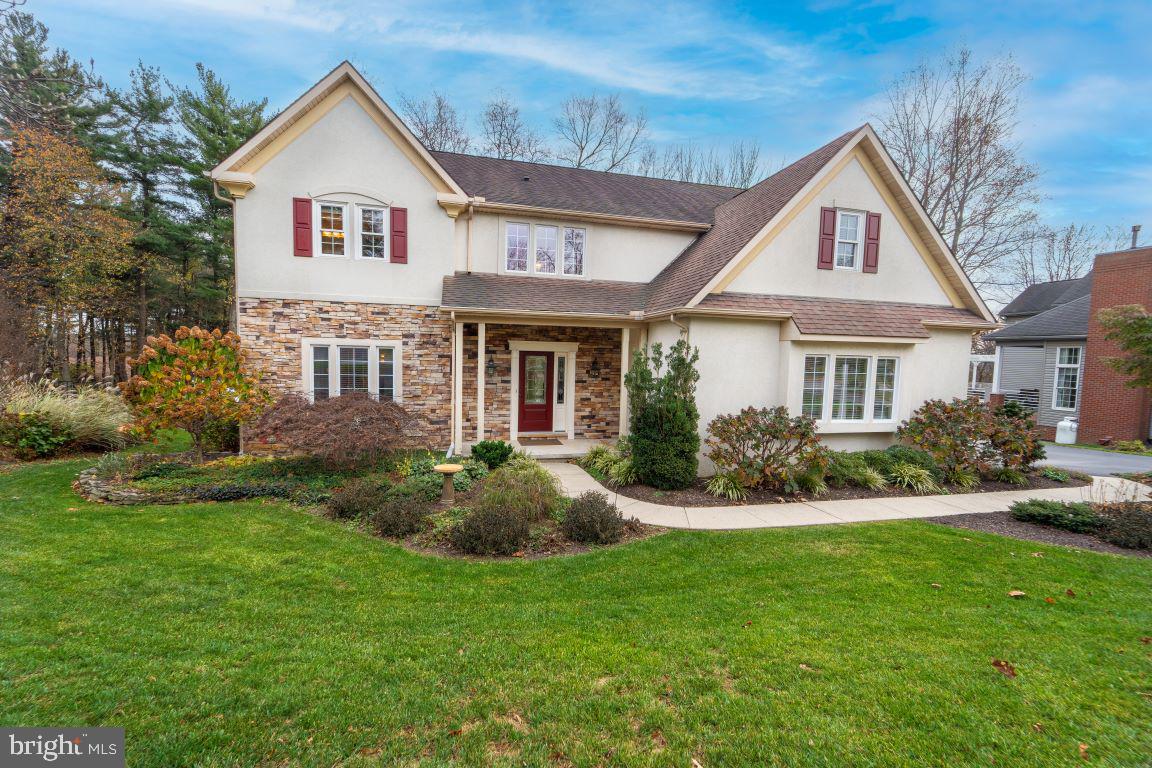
504, 299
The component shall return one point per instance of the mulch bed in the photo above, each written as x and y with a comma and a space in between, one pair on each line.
697, 494
1003, 524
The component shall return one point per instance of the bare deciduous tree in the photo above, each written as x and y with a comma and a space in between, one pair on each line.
597, 132
949, 127
506, 136
740, 166
436, 123
1054, 254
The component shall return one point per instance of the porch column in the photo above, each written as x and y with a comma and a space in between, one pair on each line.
480, 381
457, 386
625, 364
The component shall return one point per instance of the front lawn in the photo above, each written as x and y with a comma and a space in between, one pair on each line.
253, 633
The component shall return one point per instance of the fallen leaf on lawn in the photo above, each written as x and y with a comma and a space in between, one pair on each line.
1049, 600
807, 668
935, 585
1038, 727
1017, 593
748, 623
1083, 751
1070, 593
1037, 554
696, 763
658, 741
1146, 640
1004, 667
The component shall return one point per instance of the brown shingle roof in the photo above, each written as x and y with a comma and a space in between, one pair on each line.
845, 317
581, 190
736, 222
542, 294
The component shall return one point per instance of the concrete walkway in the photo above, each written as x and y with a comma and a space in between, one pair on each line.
1095, 462
576, 481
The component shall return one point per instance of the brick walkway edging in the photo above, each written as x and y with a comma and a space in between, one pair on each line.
576, 481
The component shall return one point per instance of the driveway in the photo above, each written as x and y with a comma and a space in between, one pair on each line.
1095, 462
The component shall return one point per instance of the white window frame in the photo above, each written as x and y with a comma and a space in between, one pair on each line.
349, 247
373, 345
1056, 379
869, 372
857, 254
359, 229
560, 228
869, 392
823, 387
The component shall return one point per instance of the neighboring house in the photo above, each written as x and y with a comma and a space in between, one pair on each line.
500, 299
1052, 355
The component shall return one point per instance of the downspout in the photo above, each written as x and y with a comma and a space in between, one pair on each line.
231, 201
468, 245
683, 328
452, 384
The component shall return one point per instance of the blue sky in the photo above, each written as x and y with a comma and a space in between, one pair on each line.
790, 75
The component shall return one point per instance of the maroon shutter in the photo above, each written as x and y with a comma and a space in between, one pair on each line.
826, 257
302, 226
399, 235
872, 243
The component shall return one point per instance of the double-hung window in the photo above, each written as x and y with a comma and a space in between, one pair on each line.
335, 367
373, 232
1066, 389
544, 249
849, 226
849, 388
332, 231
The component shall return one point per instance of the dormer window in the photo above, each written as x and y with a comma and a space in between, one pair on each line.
555, 250
848, 232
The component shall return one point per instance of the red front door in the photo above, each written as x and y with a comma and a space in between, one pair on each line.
536, 392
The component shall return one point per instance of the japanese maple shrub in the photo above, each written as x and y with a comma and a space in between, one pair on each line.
194, 380
663, 415
766, 447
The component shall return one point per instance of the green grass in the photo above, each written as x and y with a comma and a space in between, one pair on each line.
252, 634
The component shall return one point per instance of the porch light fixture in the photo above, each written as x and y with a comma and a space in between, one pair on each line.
490, 367
594, 369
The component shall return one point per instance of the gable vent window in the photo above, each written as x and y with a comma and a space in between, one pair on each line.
848, 240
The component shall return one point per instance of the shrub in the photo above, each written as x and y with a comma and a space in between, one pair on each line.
359, 497
1127, 524
349, 430
1013, 441
952, 432
97, 419
881, 461
914, 478
623, 472
195, 380
238, 491
916, 456
593, 519
1010, 475
34, 435
1058, 475
662, 402
727, 486
963, 478
491, 530
851, 469
427, 487
530, 491
810, 481
166, 469
400, 517
1078, 517
112, 466
600, 459
1014, 409
765, 446
1130, 446
492, 452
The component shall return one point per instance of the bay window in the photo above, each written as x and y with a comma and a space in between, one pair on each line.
334, 367
860, 388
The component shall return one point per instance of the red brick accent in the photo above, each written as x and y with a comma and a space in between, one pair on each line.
1109, 408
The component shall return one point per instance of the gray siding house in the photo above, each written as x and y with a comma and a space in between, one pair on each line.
1040, 354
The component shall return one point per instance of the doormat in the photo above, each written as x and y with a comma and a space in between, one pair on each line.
540, 441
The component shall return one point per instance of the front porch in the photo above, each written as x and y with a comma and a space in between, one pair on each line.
553, 389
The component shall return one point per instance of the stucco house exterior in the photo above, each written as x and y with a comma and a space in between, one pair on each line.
504, 299
1052, 356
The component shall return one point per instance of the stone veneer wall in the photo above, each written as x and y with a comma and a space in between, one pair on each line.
597, 402
271, 329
